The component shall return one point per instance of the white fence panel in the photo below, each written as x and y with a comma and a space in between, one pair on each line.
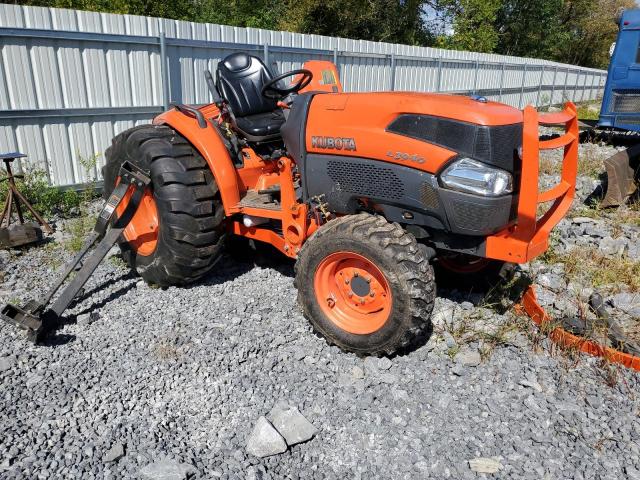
71, 80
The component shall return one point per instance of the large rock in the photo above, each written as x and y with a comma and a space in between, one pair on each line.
375, 365
626, 301
265, 440
468, 357
166, 469
6, 363
115, 453
612, 247
291, 424
485, 465
553, 282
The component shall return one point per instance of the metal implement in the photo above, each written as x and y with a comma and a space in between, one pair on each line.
37, 317
565, 338
23, 233
621, 172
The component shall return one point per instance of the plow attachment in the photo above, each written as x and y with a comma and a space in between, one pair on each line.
38, 317
621, 170
529, 305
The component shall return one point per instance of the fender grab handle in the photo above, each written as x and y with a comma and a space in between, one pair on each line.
190, 112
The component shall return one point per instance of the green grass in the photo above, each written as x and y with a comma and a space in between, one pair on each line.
589, 266
78, 228
587, 110
45, 199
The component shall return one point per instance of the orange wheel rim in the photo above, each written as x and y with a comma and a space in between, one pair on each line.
142, 230
459, 265
353, 293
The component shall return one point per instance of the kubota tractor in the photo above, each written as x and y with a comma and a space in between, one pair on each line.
367, 191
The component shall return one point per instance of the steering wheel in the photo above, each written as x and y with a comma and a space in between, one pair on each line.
272, 91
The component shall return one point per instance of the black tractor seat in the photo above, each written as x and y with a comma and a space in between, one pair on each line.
261, 124
239, 80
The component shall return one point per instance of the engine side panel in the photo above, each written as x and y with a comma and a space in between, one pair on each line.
402, 194
495, 145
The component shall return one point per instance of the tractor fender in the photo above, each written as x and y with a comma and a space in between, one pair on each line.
208, 143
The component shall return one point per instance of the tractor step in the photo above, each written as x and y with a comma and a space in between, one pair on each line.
256, 199
36, 316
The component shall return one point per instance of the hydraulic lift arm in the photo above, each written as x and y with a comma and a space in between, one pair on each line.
37, 317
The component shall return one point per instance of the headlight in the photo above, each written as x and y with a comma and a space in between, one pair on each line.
471, 176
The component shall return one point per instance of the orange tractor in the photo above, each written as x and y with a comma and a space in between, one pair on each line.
367, 191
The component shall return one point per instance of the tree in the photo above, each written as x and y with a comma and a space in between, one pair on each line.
587, 29
395, 21
528, 27
571, 31
241, 13
472, 23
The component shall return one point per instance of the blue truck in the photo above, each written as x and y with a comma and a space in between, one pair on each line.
620, 109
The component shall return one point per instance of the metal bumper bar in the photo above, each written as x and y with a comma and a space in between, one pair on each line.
529, 236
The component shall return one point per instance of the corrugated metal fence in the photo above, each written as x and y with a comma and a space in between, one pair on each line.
71, 80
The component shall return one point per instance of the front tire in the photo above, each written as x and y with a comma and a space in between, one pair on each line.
366, 285
183, 207
470, 273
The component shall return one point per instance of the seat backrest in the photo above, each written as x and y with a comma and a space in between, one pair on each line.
240, 78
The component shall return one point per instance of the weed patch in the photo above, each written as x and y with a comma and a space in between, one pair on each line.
49, 200
589, 266
78, 229
589, 110
46, 200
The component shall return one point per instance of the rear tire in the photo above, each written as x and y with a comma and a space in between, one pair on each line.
391, 262
190, 215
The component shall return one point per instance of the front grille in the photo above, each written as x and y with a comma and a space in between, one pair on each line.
365, 179
471, 216
429, 196
628, 121
625, 101
496, 145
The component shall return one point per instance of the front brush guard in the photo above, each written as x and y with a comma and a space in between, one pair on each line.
36, 316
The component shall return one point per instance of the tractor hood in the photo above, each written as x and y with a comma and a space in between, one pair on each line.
455, 107
420, 130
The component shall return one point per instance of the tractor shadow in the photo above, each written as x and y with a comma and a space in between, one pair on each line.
497, 294
234, 263
57, 339
240, 260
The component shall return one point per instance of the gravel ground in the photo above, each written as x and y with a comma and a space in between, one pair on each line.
144, 380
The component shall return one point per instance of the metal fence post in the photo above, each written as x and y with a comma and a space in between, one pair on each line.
335, 56
564, 85
553, 85
265, 49
475, 77
593, 82
164, 72
524, 79
501, 82
439, 75
393, 72
575, 92
540, 87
